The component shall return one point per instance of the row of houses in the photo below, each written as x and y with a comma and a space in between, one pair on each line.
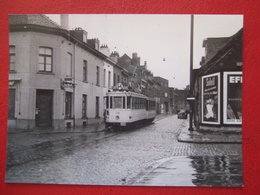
59, 77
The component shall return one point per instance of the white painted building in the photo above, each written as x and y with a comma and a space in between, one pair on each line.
56, 79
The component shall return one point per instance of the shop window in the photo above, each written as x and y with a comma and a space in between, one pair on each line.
232, 100
84, 106
68, 105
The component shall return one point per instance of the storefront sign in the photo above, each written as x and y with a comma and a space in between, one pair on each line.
211, 99
67, 82
233, 97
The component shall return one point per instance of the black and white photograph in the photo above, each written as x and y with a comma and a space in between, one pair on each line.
125, 99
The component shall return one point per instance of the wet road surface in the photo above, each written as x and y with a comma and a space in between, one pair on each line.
195, 171
128, 157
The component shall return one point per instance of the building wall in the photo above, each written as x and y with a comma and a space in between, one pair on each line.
28, 79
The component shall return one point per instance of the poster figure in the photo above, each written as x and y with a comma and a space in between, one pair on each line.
209, 108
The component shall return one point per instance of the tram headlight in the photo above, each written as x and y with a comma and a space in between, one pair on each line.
130, 117
117, 117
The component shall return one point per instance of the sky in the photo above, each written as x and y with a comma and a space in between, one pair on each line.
161, 40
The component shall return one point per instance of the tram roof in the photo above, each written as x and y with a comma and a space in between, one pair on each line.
128, 93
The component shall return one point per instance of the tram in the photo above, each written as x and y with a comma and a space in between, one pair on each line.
124, 108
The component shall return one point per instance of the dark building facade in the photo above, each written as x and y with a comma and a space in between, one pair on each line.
163, 94
218, 88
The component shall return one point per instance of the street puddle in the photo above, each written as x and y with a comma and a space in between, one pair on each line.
196, 171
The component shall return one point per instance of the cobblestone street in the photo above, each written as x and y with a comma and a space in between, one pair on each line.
118, 157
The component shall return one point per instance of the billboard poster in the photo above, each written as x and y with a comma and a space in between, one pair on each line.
211, 99
233, 97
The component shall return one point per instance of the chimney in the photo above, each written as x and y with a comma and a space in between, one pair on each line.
135, 59
114, 56
105, 50
80, 34
64, 21
94, 43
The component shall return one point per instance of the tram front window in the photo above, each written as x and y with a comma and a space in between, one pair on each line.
117, 103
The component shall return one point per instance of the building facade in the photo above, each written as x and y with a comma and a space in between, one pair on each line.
56, 78
218, 89
163, 94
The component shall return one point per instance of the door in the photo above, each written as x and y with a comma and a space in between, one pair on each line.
97, 107
43, 112
11, 104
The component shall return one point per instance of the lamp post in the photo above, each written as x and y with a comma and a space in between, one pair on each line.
191, 99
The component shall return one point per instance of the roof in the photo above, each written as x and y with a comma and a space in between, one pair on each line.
37, 19
42, 23
226, 57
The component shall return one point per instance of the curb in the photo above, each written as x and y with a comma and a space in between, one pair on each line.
207, 138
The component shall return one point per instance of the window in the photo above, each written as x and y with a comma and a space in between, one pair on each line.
117, 103
232, 97
128, 102
97, 76
107, 102
84, 106
104, 78
118, 79
11, 58
85, 70
68, 105
109, 79
69, 65
111, 102
11, 104
124, 102
45, 59
114, 79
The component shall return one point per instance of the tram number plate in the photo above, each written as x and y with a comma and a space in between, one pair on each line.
123, 124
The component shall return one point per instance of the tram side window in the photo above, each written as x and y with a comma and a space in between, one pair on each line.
133, 103
128, 102
124, 102
107, 101
111, 102
117, 103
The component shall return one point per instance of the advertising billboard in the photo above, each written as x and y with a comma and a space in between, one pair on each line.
211, 99
233, 97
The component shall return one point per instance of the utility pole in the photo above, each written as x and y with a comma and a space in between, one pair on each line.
191, 101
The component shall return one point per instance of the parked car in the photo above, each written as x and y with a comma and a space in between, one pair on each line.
182, 114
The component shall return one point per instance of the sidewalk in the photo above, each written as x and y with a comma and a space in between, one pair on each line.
207, 137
